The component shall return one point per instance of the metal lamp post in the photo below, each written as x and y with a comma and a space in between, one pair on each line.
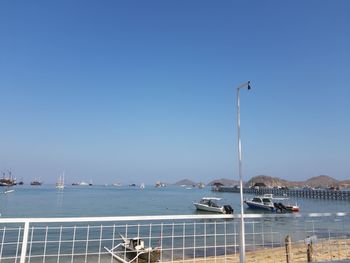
242, 232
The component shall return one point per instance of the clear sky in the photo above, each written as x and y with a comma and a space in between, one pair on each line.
139, 91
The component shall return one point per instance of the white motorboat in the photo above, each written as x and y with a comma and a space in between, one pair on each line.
266, 202
133, 249
210, 204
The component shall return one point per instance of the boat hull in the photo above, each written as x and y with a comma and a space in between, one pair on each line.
254, 205
149, 256
209, 208
292, 208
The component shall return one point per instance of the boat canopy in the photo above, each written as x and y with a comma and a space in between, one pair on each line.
211, 198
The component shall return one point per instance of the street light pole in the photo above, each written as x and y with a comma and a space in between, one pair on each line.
242, 232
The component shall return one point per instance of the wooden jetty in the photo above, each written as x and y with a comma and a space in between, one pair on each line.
301, 193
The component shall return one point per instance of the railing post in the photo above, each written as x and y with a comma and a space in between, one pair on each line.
24, 242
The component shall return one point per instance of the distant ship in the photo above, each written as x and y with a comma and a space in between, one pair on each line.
60, 182
36, 182
82, 183
200, 185
160, 184
7, 180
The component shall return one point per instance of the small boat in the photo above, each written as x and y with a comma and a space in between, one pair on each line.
142, 186
9, 191
201, 185
7, 180
210, 204
60, 182
261, 202
160, 184
266, 202
132, 249
82, 183
36, 182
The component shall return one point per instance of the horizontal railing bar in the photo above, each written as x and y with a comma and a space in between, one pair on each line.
66, 255
111, 218
158, 217
122, 226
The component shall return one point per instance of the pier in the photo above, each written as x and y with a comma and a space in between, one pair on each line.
301, 193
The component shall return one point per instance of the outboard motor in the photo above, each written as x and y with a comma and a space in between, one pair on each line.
228, 209
283, 207
280, 207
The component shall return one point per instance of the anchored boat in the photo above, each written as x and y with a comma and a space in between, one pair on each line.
266, 202
60, 182
210, 204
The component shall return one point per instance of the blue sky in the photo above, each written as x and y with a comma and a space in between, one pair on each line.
139, 91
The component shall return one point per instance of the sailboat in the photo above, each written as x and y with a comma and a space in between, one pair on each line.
60, 182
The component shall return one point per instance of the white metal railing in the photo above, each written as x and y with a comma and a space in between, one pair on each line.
212, 238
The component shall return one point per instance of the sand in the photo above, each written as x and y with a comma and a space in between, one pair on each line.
323, 250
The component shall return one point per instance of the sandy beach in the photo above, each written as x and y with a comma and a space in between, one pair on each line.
323, 250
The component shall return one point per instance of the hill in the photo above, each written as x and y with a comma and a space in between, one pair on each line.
345, 184
321, 181
268, 181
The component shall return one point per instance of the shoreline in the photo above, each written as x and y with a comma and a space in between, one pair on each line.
324, 250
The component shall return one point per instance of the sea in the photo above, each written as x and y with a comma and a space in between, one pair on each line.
83, 201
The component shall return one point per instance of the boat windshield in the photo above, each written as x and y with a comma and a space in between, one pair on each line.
267, 200
256, 199
209, 202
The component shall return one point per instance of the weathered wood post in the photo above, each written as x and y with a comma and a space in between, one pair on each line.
310, 252
288, 244
310, 247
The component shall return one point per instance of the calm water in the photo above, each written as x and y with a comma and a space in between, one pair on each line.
46, 201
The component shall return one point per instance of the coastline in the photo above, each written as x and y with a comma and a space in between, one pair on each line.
324, 250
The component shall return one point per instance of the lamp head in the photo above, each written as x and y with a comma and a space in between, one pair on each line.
249, 85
